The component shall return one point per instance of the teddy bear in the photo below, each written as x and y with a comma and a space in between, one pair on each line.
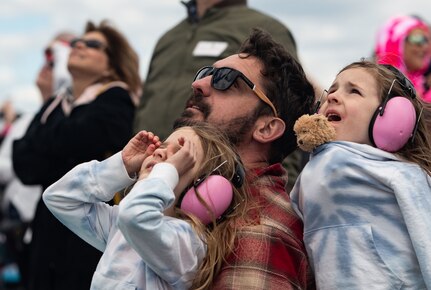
312, 131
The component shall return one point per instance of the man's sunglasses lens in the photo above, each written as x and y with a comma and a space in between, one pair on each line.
203, 72
223, 78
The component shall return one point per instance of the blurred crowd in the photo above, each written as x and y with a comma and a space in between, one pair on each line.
94, 101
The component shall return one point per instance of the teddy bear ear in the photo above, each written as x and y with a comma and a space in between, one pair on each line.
322, 123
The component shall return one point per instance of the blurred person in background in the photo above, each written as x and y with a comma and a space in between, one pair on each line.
7, 117
404, 42
91, 120
52, 77
212, 30
427, 74
19, 201
428, 78
54, 74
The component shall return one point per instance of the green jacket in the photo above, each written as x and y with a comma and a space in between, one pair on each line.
175, 61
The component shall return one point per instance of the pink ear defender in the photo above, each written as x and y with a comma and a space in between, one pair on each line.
394, 122
393, 129
217, 193
215, 190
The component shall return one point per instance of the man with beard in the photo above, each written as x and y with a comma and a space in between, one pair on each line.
255, 97
212, 30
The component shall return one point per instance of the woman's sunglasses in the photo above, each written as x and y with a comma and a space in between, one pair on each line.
224, 77
417, 39
90, 43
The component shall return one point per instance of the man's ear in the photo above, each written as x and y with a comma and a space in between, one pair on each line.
268, 129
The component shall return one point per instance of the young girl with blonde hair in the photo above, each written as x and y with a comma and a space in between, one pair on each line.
154, 239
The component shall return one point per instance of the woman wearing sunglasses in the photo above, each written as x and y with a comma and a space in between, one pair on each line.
404, 42
90, 120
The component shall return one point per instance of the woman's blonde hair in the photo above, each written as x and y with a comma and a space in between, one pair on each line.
123, 60
220, 235
418, 151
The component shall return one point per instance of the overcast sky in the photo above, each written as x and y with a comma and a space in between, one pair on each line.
329, 33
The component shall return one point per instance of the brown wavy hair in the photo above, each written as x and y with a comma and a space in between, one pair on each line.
418, 151
218, 236
122, 57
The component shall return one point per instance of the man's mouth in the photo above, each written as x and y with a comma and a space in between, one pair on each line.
198, 106
191, 105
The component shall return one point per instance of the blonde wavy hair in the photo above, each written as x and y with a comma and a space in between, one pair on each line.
220, 235
418, 151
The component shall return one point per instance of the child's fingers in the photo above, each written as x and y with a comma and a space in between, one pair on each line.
151, 148
148, 138
143, 133
156, 141
189, 149
192, 150
143, 136
181, 141
152, 138
185, 143
185, 147
185, 157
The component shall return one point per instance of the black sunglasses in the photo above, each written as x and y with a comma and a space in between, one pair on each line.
224, 77
90, 43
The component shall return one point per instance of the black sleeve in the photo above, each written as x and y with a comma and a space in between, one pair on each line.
92, 131
26, 163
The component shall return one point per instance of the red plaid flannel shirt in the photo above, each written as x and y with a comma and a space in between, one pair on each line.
269, 254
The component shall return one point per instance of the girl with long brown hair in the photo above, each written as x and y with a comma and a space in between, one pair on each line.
366, 197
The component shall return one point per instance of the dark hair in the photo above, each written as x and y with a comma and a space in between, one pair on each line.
122, 58
285, 84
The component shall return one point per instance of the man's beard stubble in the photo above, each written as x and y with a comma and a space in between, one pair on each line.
235, 129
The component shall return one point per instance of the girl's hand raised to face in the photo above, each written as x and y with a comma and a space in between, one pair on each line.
185, 158
139, 147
